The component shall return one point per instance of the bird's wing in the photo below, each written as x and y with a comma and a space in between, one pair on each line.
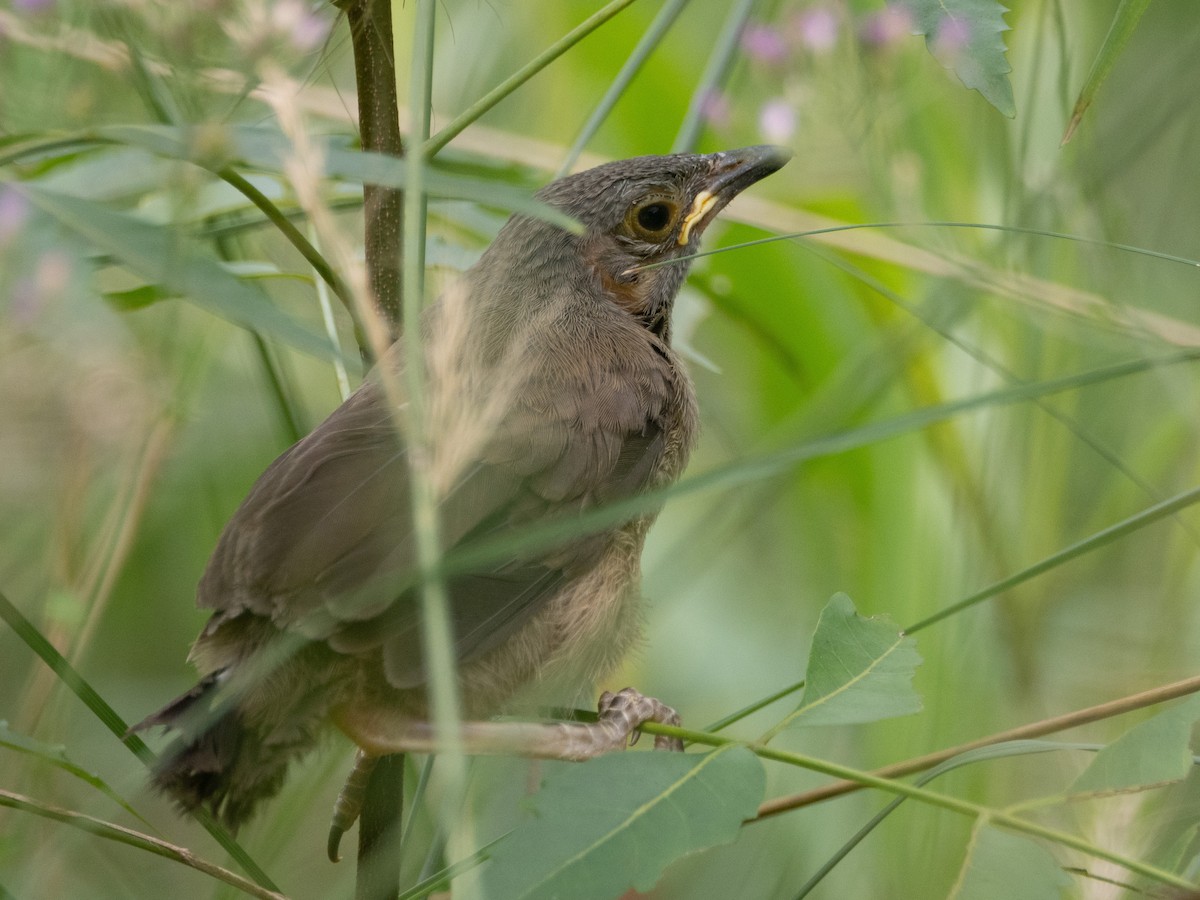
323, 544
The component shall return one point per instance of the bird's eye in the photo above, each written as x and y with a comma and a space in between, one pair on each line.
652, 219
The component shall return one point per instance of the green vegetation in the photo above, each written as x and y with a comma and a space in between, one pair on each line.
959, 399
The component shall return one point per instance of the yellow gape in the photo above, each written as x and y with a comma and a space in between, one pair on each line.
705, 200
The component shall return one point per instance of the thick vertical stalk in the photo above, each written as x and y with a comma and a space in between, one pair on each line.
379, 127
377, 876
370, 21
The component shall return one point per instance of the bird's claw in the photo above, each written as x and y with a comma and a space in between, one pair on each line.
629, 708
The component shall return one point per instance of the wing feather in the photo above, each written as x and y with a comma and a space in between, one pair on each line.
323, 544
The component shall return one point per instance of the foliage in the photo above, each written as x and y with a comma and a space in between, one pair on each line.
961, 390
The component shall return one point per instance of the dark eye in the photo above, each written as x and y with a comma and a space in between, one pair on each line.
653, 218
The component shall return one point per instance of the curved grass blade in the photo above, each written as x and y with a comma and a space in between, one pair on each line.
79, 686
1127, 526
757, 468
120, 834
56, 755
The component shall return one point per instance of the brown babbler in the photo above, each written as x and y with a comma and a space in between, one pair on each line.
552, 390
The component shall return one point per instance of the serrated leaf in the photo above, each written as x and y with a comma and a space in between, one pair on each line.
1152, 753
1002, 865
164, 257
56, 755
616, 822
859, 670
1125, 20
964, 35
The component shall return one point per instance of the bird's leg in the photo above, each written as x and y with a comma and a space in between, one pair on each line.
349, 802
378, 732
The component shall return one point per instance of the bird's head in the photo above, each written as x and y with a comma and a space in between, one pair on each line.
653, 209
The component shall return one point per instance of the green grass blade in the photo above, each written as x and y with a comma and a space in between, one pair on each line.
522, 75
649, 42
715, 71
79, 686
56, 755
112, 832
767, 465
984, 754
1125, 20
1114, 532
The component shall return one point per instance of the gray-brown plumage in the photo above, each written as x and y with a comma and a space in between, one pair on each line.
553, 390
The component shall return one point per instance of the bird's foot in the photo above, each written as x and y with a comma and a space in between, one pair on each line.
621, 714
350, 802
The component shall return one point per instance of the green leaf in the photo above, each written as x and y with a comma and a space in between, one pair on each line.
268, 149
859, 670
1124, 21
1152, 753
56, 755
616, 822
964, 35
136, 298
165, 257
1002, 865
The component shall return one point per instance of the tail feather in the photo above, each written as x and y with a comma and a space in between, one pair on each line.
220, 759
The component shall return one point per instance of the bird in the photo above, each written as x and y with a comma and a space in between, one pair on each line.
552, 390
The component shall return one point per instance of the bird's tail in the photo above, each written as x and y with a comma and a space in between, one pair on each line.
228, 755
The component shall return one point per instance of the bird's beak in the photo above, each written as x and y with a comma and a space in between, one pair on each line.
732, 172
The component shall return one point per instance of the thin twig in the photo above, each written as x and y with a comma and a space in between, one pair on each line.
1054, 724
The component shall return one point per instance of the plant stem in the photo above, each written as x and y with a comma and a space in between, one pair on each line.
379, 128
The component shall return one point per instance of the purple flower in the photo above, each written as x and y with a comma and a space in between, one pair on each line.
777, 121
305, 28
891, 24
763, 43
952, 37
816, 28
714, 108
14, 210
32, 293
33, 6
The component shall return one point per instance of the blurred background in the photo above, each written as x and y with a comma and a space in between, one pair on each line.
132, 425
